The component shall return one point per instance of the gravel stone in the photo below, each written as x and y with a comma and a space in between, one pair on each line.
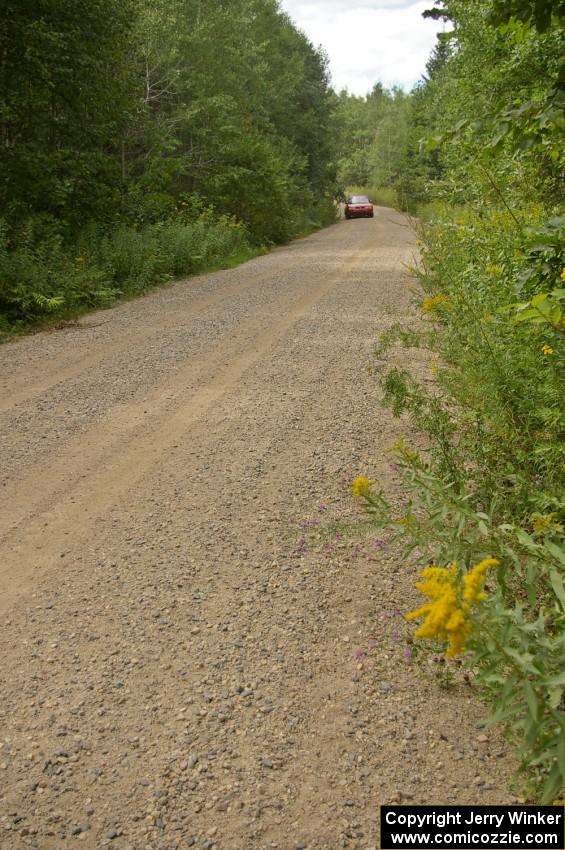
183, 668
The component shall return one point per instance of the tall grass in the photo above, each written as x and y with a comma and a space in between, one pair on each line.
381, 196
42, 278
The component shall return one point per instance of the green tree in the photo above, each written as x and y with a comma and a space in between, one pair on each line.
64, 101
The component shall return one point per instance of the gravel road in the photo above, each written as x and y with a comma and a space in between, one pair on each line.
195, 652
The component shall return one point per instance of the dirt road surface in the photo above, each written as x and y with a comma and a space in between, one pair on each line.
193, 653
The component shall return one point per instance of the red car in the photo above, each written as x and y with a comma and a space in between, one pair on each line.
358, 206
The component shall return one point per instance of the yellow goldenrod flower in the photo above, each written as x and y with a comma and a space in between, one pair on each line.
435, 303
473, 582
404, 449
547, 350
443, 616
446, 615
563, 275
361, 487
495, 269
460, 222
541, 523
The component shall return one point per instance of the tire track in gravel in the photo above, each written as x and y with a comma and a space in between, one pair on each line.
99, 467
24, 387
93, 337
42, 427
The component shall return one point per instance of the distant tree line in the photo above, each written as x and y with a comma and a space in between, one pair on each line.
491, 101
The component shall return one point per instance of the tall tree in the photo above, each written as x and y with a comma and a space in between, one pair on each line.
66, 93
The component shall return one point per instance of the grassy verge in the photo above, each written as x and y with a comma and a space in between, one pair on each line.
44, 280
382, 196
314, 216
484, 518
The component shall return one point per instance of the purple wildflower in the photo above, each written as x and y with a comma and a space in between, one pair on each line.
359, 653
407, 653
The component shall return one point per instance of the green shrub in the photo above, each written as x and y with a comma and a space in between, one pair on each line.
312, 215
42, 277
491, 483
514, 639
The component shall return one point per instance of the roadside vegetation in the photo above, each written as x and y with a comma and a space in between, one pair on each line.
478, 156
142, 141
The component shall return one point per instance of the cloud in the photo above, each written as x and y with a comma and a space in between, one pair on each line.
371, 41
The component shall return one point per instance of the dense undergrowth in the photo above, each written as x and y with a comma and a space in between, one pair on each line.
484, 519
43, 278
491, 484
46, 277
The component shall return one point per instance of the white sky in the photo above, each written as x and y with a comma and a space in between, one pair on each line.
368, 41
